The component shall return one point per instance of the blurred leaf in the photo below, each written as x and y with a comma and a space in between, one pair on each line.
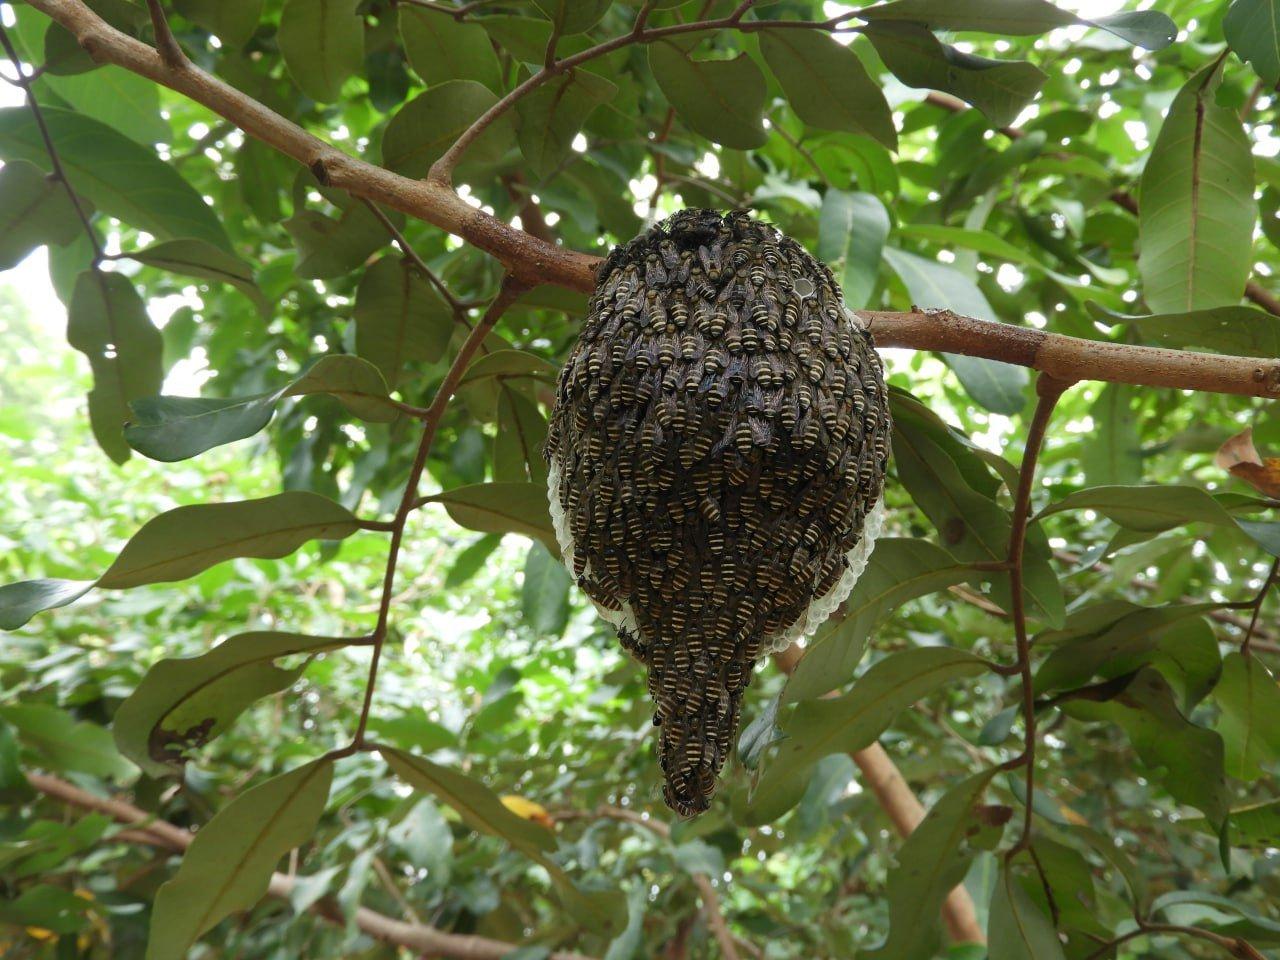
501, 508
1113, 454
469, 561
64, 744
1018, 929
722, 100
1249, 701
1196, 209
1252, 28
441, 48
551, 116
232, 21
1150, 508
199, 258
827, 85
573, 16
21, 601
544, 597
124, 101
1231, 329
852, 229
34, 211
322, 42
228, 866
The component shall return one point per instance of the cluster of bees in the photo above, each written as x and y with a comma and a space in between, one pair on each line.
719, 437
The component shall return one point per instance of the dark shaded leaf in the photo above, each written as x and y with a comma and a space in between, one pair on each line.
322, 42
722, 100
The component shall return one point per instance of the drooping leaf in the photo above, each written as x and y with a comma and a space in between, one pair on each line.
999, 88
107, 322
1196, 205
122, 100
427, 125
122, 178
1249, 700
322, 42
522, 433
827, 85
228, 866
551, 116
544, 596
182, 542
199, 258
1233, 329
502, 364
1252, 28
1018, 928
1000, 387
852, 229
442, 48
898, 571
851, 722
1113, 454
182, 704
471, 560
399, 317
1150, 508
231, 21
34, 211
64, 743
722, 100
21, 601
355, 382
573, 16
501, 508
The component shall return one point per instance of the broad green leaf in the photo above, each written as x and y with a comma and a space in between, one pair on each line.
65, 744
544, 596
122, 100
551, 116
827, 85
1112, 455
481, 810
1266, 535
180, 543
34, 211
1235, 329
471, 560
932, 860
231, 21
21, 601
1252, 28
182, 704
355, 382
1187, 758
573, 16
501, 508
107, 322
122, 178
898, 571
820, 727
503, 364
518, 443
47, 908
980, 241
199, 258
427, 125
399, 317
441, 48
1018, 929
722, 100
1019, 18
322, 42
229, 864
1249, 701
1196, 206
1000, 89
852, 229
329, 247
1000, 387
62, 52
1149, 508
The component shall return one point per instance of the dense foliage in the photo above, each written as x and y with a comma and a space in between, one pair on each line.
1111, 178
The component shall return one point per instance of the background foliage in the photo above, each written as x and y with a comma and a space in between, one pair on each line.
316, 343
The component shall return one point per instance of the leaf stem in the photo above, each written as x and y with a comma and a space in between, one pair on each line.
1257, 605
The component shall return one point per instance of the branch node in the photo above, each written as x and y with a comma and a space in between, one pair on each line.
320, 170
170, 51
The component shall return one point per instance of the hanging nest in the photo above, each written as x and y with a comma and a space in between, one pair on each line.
717, 454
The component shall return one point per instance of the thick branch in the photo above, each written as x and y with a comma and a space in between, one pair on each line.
422, 939
535, 261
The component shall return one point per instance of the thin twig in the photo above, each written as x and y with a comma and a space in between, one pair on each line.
170, 52
1257, 605
1234, 946
458, 307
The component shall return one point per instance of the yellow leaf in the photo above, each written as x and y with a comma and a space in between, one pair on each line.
528, 810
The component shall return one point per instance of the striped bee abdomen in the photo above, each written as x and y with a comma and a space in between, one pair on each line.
717, 454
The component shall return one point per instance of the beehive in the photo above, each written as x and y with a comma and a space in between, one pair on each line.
717, 454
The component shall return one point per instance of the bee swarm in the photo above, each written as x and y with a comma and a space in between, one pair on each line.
717, 454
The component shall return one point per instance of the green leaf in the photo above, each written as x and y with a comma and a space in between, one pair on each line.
1249, 700
471, 560
1252, 28
1000, 387
552, 114
501, 508
481, 810
46, 907
544, 597
573, 16
1266, 535
107, 322
322, 42
329, 247
355, 382
827, 85
932, 860
180, 543
1196, 209
722, 100
504, 364
898, 571
399, 318
852, 229
199, 258
1021, 18
122, 100
820, 727
122, 178
521, 435
1149, 508
21, 601
1187, 758
427, 125
1000, 89
441, 48
34, 211
1018, 929
1234, 329
231, 21
1112, 455
228, 866
182, 704
627, 944
63, 743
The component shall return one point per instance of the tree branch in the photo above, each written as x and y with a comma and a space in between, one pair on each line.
422, 939
535, 261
